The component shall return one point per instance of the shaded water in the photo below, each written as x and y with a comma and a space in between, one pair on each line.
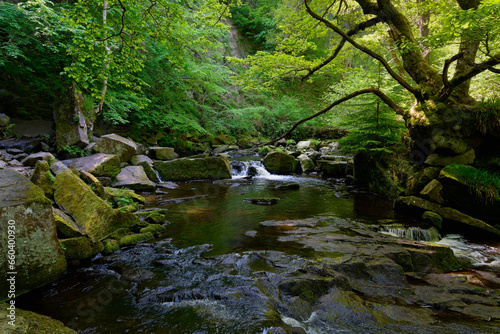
216, 269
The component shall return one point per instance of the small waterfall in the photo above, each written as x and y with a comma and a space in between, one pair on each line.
241, 169
158, 175
413, 233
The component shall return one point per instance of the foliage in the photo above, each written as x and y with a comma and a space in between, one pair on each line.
484, 184
487, 114
75, 151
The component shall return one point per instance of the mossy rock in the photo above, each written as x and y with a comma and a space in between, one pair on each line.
466, 158
130, 208
307, 287
433, 218
43, 178
135, 238
288, 186
125, 193
110, 246
458, 217
97, 164
28, 322
154, 228
280, 163
89, 211
114, 144
80, 248
155, 218
213, 168
419, 180
66, 226
414, 205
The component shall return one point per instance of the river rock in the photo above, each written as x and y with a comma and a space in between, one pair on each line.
262, 200
125, 193
114, 144
135, 178
39, 257
80, 248
433, 192
458, 217
25, 144
32, 159
139, 159
99, 164
280, 163
337, 169
150, 172
466, 158
420, 179
28, 322
94, 184
306, 163
432, 218
212, 168
415, 205
162, 153
461, 191
66, 226
43, 178
57, 166
306, 145
288, 186
89, 211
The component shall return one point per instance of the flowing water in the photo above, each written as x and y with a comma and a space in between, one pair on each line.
217, 267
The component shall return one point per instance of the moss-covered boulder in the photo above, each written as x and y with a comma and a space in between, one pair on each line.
26, 211
43, 178
133, 177
90, 212
97, 164
306, 163
280, 163
433, 192
420, 179
432, 218
94, 184
32, 159
466, 158
124, 193
150, 172
154, 228
110, 246
135, 238
28, 322
473, 191
66, 226
155, 218
337, 169
415, 205
162, 153
138, 159
114, 144
457, 217
80, 248
69, 116
212, 168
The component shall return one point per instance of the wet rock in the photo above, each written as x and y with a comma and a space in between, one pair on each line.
155, 218
433, 218
135, 178
291, 223
162, 153
308, 287
337, 169
155, 229
89, 211
415, 205
66, 226
25, 144
94, 184
212, 168
110, 246
306, 163
32, 159
220, 148
116, 145
80, 248
262, 200
129, 195
30, 323
288, 186
458, 217
3, 164
306, 145
280, 163
14, 163
97, 164
43, 178
466, 158
135, 238
433, 192
39, 257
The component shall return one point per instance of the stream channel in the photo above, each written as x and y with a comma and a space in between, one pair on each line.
229, 266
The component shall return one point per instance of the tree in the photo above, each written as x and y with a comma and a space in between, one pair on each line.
440, 119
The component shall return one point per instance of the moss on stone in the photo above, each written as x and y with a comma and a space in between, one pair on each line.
154, 228
120, 233
80, 248
125, 193
212, 168
155, 218
110, 246
135, 238
130, 208
280, 163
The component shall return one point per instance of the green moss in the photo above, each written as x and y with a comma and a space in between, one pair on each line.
485, 185
110, 246
120, 233
130, 208
155, 218
280, 163
154, 228
125, 193
80, 248
212, 168
135, 238
30, 322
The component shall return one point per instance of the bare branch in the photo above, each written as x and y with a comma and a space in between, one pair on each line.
390, 103
494, 70
364, 49
122, 23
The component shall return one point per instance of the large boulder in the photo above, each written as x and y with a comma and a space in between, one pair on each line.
280, 163
27, 322
32, 159
433, 192
114, 144
306, 145
457, 217
415, 205
338, 168
162, 153
71, 125
212, 168
80, 248
89, 211
306, 163
66, 226
133, 177
473, 191
97, 164
28, 234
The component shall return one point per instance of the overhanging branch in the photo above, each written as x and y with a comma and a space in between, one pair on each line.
390, 103
364, 49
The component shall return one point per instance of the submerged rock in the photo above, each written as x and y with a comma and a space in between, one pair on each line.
26, 212
212, 168
262, 200
288, 186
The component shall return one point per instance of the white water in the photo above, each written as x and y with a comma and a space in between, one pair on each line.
481, 255
413, 233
